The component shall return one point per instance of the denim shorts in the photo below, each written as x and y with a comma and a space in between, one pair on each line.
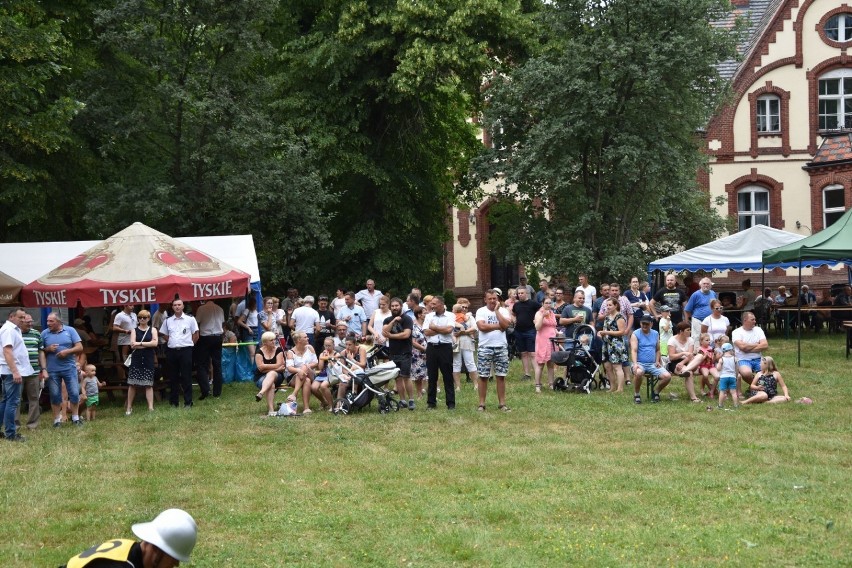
652, 369
753, 364
72, 385
728, 383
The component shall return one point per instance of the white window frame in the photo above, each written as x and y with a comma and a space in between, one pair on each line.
843, 99
826, 210
751, 217
844, 27
767, 120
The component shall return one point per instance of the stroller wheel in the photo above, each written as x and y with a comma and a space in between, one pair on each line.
341, 406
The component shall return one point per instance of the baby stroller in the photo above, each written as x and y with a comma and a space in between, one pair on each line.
576, 354
370, 383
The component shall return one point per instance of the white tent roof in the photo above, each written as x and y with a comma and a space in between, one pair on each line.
28, 261
740, 251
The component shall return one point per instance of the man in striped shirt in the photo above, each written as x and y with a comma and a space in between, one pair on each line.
33, 384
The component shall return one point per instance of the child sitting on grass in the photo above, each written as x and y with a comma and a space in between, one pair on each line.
89, 391
764, 387
727, 369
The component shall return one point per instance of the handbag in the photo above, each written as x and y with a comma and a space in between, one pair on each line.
129, 359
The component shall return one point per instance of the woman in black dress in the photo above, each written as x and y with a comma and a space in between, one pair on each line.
141, 375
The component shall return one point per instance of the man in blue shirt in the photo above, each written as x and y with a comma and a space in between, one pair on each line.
645, 351
354, 316
61, 346
698, 306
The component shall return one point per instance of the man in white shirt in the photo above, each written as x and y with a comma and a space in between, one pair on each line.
181, 332
438, 329
305, 318
492, 322
14, 366
210, 318
369, 298
749, 344
588, 290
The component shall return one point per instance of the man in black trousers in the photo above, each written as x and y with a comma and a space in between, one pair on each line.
438, 329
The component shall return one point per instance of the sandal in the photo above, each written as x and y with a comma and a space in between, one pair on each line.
480, 408
504, 408
271, 414
307, 411
697, 400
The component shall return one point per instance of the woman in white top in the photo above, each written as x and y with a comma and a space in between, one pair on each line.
715, 324
377, 320
682, 357
339, 301
301, 364
248, 325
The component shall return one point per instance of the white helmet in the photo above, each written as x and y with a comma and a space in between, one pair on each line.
173, 531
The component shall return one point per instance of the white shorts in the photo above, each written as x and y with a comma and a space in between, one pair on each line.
468, 361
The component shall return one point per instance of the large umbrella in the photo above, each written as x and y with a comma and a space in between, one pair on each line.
10, 290
136, 266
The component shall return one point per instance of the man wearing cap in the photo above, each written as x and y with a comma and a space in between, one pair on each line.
165, 542
305, 318
325, 327
698, 306
210, 317
645, 352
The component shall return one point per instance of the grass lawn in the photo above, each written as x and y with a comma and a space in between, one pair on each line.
565, 479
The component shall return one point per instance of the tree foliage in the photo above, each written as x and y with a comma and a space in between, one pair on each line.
181, 112
595, 137
384, 91
35, 116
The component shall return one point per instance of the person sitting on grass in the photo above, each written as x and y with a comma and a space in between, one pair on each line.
727, 368
645, 351
89, 391
269, 361
165, 542
764, 387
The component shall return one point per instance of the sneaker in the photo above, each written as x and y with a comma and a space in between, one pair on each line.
656, 397
504, 408
401, 405
15, 438
57, 424
637, 399
628, 382
77, 422
526, 378
411, 405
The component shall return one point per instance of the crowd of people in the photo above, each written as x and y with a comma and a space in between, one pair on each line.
679, 331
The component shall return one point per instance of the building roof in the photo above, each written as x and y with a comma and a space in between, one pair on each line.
757, 15
834, 148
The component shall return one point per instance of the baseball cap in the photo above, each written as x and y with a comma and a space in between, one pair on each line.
665, 308
727, 347
499, 291
646, 319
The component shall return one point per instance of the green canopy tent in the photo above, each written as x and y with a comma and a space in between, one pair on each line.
832, 245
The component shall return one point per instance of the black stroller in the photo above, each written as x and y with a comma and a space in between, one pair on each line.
370, 383
577, 355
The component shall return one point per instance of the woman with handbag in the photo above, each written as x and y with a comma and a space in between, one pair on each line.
144, 344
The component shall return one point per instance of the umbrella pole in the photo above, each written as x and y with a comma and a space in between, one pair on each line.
799, 318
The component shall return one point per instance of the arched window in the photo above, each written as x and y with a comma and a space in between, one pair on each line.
752, 206
769, 114
833, 204
835, 100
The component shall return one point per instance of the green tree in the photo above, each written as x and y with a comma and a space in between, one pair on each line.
384, 91
180, 110
599, 131
35, 117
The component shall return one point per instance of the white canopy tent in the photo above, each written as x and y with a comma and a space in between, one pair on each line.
28, 261
741, 251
